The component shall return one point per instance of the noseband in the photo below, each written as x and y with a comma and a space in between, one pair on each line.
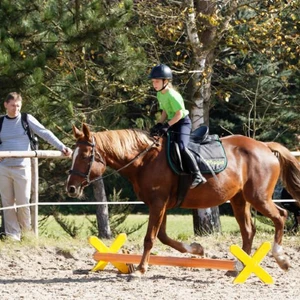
92, 159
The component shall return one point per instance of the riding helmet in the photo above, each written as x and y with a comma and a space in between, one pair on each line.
161, 71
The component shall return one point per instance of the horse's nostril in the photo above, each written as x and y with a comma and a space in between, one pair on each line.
72, 189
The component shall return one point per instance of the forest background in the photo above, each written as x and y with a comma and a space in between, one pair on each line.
89, 60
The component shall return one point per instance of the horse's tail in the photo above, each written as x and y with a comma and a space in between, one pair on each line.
289, 169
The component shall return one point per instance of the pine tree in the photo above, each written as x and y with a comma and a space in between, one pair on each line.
256, 75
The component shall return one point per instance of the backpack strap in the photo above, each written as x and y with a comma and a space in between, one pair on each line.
32, 138
1, 122
25, 124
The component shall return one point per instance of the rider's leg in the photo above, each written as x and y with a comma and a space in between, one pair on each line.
191, 163
182, 130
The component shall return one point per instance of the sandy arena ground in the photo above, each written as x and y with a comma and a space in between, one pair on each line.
47, 272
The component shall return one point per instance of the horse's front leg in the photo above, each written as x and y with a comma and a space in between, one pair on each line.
194, 248
242, 213
156, 216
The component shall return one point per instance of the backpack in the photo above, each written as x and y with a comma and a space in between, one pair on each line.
32, 138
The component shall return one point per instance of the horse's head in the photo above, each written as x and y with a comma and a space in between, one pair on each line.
88, 164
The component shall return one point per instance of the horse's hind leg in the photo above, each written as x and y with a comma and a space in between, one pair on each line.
242, 213
278, 216
194, 248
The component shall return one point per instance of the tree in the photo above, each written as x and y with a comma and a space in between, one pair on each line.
71, 62
205, 28
104, 230
256, 74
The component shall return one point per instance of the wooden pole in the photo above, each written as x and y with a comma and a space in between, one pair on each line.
36, 153
169, 261
35, 196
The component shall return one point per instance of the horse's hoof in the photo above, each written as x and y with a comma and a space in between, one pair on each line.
282, 262
135, 275
197, 249
231, 273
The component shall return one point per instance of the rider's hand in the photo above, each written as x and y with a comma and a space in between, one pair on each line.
164, 129
154, 130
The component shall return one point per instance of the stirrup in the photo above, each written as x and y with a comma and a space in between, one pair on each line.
198, 180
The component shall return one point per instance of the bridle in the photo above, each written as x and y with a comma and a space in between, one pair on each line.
92, 159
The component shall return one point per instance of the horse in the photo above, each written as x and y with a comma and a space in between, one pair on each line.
252, 171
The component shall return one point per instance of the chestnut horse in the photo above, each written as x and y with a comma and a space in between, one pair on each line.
248, 180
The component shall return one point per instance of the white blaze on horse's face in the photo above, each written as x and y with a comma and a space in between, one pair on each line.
75, 154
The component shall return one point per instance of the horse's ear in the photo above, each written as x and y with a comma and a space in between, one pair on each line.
86, 130
77, 133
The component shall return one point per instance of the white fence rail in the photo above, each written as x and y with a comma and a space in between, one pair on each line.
34, 155
30, 154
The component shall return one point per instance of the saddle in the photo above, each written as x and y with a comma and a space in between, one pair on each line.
208, 152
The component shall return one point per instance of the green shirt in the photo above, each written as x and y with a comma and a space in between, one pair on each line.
171, 102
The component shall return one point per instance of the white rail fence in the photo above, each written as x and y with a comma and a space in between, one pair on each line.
34, 155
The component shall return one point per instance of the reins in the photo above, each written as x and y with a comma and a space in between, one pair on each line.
155, 142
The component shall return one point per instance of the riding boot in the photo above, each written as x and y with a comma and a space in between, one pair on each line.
191, 163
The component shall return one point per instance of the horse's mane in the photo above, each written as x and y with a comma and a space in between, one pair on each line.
121, 142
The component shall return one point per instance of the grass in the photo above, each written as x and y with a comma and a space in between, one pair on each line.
178, 227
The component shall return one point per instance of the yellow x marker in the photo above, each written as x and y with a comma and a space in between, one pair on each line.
114, 248
252, 263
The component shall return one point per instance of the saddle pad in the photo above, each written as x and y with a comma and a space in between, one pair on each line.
210, 155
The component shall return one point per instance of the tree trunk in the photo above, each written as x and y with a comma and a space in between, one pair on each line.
104, 230
205, 29
205, 220
2, 228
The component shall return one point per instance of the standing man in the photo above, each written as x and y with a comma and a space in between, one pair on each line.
15, 173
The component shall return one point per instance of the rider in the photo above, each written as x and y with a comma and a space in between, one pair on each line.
175, 117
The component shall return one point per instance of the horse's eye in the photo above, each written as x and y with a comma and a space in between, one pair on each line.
85, 156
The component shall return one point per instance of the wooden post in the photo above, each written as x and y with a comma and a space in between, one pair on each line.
35, 195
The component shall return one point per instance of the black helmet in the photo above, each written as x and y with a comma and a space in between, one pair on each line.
161, 72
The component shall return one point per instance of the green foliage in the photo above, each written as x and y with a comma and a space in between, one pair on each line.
119, 213
178, 227
70, 227
89, 63
256, 75
117, 216
72, 71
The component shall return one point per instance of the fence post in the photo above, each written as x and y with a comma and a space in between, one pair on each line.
35, 195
